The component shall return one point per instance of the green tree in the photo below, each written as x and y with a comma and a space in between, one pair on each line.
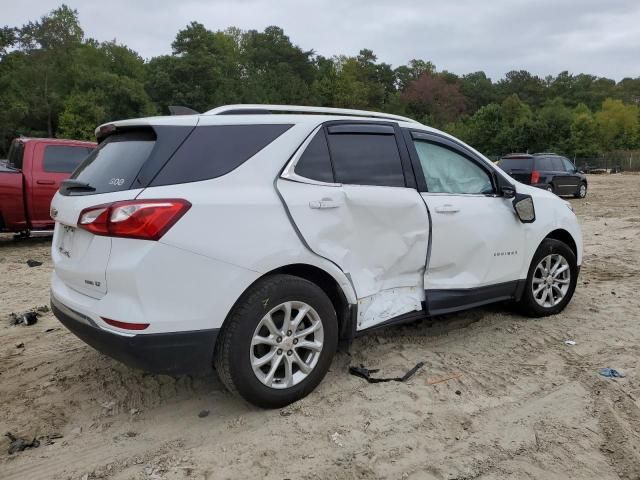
617, 125
82, 112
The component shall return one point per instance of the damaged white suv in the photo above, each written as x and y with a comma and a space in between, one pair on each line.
253, 238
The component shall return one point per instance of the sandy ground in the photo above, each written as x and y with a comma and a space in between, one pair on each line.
523, 403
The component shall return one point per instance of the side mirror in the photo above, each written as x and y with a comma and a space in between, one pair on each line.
508, 191
525, 210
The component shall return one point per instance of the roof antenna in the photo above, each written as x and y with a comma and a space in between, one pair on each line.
179, 110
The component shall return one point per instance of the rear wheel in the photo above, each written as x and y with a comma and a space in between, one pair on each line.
278, 343
551, 280
582, 191
550, 188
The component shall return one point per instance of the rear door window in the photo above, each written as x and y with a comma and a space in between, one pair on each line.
114, 165
63, 158
213, 151
366, 159
315, 162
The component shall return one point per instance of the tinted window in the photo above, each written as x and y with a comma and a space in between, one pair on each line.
63, 159
568, 166
213, 151
315, 162
509, 164
365, 159
544, 164
556, 163
447, 171
16, 152
114, 165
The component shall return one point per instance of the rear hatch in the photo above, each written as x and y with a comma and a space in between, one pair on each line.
126, 160
518, 167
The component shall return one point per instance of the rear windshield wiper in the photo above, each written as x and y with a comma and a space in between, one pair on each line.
76, 186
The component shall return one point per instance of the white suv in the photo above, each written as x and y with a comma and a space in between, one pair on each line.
255, 237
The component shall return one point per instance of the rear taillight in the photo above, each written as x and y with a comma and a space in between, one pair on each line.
535, 177
125, 325
142, 219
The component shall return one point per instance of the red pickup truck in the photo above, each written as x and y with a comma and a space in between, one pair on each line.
31, 177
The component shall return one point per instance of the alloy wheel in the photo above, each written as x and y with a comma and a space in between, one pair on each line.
286, 344
551, 279
583, 191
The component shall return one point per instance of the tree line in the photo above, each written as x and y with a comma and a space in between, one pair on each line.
56, 82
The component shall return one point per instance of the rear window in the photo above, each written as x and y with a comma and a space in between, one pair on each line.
64, 158
16, 152
213, 151
114, 165
510, 164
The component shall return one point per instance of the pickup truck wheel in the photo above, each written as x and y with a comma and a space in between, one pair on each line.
278, 342
551, 280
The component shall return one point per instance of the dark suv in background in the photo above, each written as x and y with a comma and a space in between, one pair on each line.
550, 171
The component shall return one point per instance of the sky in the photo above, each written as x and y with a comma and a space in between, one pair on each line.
600, 37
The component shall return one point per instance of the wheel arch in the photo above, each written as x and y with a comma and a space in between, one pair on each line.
565, 237
345, 311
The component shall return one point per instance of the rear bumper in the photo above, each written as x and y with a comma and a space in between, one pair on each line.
168, 353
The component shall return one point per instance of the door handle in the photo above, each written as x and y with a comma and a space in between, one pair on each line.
447, 208
45, 182
325, 203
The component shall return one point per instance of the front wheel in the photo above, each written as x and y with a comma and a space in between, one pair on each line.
551, 280
278, 342
582, 191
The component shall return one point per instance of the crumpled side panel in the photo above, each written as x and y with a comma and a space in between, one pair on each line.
388, 240
388, 304
378, 235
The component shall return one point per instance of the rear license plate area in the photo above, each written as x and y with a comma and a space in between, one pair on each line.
65, 245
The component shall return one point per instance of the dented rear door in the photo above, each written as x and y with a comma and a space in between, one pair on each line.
362, 216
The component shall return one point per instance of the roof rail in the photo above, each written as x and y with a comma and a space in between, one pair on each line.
251, 109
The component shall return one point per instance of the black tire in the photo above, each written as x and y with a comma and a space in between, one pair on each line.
550, 188
579, 193
232, 354
527, 303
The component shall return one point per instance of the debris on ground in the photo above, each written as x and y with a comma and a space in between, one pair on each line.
20, 444
26, 318
33, 263
365, 373
335, 438
203, 413
20, 345
611, 373
445, 378
570, 342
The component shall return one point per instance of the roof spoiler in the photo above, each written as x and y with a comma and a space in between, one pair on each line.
179, 110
